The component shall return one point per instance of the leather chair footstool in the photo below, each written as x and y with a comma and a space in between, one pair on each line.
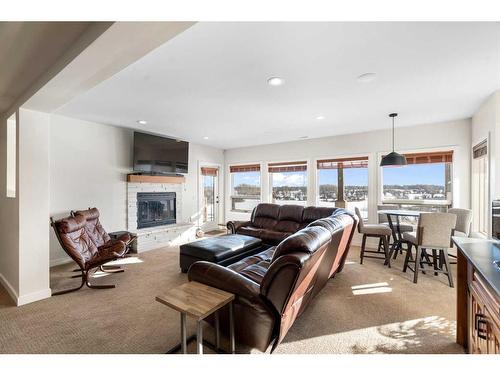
224, 250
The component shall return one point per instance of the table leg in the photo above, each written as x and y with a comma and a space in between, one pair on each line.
199, 337
183, 334
231, 328
217, 330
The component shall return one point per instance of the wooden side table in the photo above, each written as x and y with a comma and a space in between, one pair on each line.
199, 301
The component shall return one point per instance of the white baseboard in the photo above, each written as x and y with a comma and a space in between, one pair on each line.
9, 288
27, 298
59, 261
33, 297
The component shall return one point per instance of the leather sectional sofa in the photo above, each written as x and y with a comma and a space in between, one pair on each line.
273, 223
274, 287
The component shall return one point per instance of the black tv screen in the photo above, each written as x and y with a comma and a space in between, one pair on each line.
159, 155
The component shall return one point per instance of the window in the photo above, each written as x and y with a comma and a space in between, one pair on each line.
480, 189
288, 182
210, 194
426, 180
11, 156
245, 187
344, 183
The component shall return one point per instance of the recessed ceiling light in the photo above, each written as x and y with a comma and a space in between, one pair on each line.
205, 137
142, 122
367, 77
320, 118
275, 81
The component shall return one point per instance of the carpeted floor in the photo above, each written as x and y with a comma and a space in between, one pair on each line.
365, 309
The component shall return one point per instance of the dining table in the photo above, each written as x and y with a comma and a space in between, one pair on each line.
394, 221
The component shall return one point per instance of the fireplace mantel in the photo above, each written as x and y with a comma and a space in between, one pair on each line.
156, 179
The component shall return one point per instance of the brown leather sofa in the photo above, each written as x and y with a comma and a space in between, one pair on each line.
84, 239
274, 287
272, 223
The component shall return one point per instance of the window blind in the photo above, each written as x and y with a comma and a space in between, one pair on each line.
244, 168
479, 150
358, 162
430, 157
208, 171
297, 166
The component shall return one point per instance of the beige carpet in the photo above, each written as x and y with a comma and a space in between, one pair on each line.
366, 309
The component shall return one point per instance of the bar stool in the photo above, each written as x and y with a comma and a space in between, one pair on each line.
380, 231
433, 233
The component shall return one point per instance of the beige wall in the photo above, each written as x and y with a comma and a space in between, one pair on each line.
88, 167
9, 223
33, 193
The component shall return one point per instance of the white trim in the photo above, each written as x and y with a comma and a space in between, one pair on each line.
34, 296
270, 182
454, 148
9, 288
315, 175
229, 186
25, 298
219, 214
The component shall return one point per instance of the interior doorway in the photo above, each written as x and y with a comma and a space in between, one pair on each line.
209, 196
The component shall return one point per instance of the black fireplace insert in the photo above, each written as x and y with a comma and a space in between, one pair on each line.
154, 209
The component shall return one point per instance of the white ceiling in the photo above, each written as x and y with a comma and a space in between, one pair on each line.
210, 80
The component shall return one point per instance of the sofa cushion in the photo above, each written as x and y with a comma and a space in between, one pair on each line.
312, 213
266, 215
273, 237
307, 241
249, 231
254, 267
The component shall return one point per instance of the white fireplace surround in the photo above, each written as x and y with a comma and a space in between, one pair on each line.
145, 187
160, 236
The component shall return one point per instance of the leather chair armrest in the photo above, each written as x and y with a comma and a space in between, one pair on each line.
112, 248
233, 226
223, 278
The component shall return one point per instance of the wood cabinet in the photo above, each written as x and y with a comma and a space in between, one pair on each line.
483, 316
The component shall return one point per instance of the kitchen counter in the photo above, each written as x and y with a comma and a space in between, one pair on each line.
478, 295
482, 254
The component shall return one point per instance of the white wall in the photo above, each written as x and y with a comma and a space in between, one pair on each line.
88, 167
24, 250
485, 125
448, 135
34, 283
9, 223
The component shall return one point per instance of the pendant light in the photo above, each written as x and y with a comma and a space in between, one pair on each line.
393, 159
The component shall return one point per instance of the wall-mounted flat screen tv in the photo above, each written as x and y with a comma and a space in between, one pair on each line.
159, 155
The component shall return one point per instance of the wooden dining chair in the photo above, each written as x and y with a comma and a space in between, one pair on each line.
433, 233
380, 231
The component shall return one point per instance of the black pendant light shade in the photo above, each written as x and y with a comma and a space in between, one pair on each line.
393, 159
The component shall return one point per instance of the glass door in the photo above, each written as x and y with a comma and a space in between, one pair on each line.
209, 197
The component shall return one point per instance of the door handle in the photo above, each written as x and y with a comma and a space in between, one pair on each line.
481, 326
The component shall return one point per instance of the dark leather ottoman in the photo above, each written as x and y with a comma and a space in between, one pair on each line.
223, 250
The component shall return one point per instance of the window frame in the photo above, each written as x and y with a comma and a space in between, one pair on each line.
298, 161
367, 155
231, 185
424, 202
